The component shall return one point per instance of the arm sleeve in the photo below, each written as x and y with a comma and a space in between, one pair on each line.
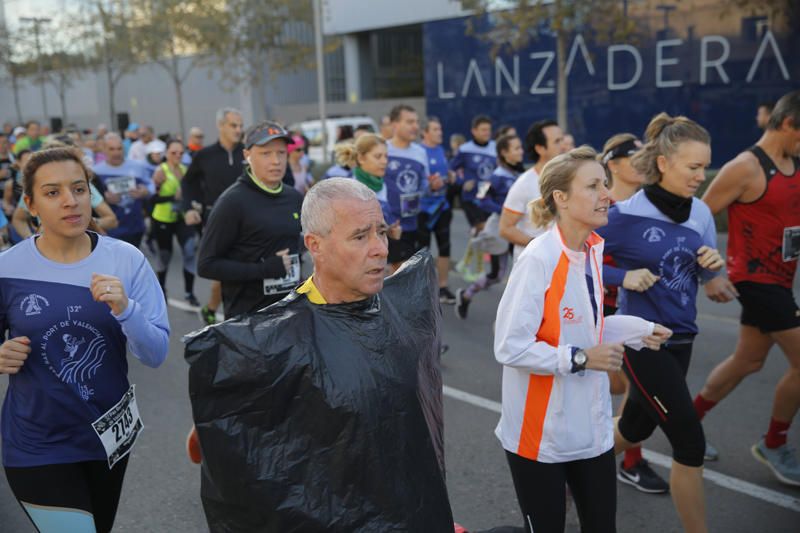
489, 203
144, 322
191, 184
710, 240
519, 317
627, 330
219, 236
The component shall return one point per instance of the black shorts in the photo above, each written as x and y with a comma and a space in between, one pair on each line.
403, 248
475, 215
767, 307
441, 229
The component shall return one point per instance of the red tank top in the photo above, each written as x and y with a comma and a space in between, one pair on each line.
764, 235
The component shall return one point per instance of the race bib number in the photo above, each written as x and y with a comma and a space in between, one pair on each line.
121, 185
409, 204
483, 188
791, 243
286, 283
119, 427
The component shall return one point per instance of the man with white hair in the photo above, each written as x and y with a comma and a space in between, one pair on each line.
337, 424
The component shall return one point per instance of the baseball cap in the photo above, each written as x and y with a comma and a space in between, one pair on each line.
156, 147
264, 132
19, 130
133, 126
297, 143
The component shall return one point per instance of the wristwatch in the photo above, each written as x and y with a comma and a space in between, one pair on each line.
578, 360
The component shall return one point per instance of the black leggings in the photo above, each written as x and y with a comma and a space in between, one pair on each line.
163, 234
441, 229
541, 492
659, 397
76, 497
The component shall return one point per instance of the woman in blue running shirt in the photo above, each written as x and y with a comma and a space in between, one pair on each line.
490, 198
664, 229
72, 303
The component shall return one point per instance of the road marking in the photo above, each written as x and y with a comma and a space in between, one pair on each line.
744, 487
183, 306
719, 318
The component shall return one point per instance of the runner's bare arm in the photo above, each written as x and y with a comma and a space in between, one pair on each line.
733, 181
509, 230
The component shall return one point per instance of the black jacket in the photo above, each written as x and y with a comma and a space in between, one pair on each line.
246, 228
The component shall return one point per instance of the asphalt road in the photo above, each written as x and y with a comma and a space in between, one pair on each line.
161, 492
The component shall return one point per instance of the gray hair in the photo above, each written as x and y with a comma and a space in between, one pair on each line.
111, 136
224, 112
317, 215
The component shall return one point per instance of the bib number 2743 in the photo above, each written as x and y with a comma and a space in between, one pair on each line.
119, 427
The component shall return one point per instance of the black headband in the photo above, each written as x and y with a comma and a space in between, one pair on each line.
625, 149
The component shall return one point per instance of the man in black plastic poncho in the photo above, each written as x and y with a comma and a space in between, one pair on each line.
323, 412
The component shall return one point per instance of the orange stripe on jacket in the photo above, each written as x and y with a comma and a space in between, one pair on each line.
539, 387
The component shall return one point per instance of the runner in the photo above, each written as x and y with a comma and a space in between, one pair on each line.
138, 151
664, 229
213, 169
625, 181
407, 180
476, 160
127, 185
72, 301
761, 190
252, 239
437, 213
32, 140
168, 222
556, 424
492, 196
542, 143
368, 157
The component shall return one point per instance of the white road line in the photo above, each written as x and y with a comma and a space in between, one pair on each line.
719, 318
183, 306
744, 487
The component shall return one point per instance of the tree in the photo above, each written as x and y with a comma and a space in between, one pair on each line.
105, 31
9, 61
64, 63
527, 20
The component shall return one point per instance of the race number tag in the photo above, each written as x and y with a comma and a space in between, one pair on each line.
121, 185
119, 427
409, 204
791, 243
286, 283
483, 188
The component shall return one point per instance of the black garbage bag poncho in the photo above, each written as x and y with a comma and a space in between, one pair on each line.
325, 417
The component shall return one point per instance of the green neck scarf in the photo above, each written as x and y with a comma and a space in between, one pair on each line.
373, 182
276, 190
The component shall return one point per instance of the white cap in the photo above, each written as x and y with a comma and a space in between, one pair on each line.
156, 147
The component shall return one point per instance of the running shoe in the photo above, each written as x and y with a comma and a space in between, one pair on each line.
208, 316
191, 299
711, 453
193, 447
782, 461
446, 297
462, 305
643, 478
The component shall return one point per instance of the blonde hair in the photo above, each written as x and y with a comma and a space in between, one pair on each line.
663, 136
557, 175
347, 153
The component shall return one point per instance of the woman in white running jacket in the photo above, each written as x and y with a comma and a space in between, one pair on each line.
556, 347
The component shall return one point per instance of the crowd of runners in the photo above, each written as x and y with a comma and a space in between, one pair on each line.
604, 253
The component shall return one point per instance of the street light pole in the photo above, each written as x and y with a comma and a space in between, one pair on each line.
37, 23
321, 93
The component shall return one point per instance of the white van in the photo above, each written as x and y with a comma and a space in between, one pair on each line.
336, 126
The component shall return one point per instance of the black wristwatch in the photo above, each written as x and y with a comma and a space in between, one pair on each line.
578, 360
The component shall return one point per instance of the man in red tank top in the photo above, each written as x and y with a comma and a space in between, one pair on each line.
761, 190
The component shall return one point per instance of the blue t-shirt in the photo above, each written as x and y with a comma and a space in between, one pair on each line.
437, 164
406, 182
129, 211
500, 183
3, 220
477, 163
337, 171
638, 235
77, 368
